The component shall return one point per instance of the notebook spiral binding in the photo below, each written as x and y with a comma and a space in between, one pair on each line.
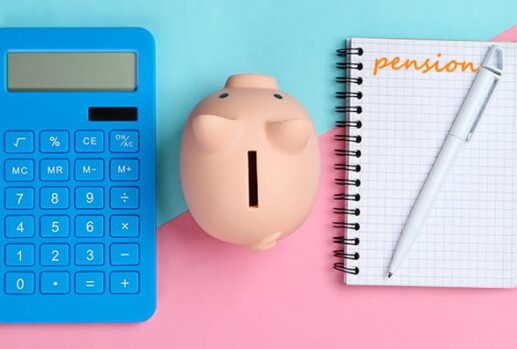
348, 150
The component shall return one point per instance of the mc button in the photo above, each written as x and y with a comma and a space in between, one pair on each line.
19, 170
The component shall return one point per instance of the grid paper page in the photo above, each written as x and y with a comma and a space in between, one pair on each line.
469, 237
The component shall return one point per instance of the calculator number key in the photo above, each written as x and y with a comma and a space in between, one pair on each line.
89, 226
124, 197
19, 226
55, 226
19, 255
124, 141
89, 254
54, 198
124, 282
19, 283
19, 170
89, 169
19, 142
89, 198
54, 254
19, 198
54, 141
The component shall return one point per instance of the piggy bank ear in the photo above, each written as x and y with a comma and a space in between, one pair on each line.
289, 135
213, 132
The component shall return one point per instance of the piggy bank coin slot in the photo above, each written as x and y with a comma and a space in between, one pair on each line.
252, 179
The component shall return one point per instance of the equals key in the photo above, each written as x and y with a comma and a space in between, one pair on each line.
89, 282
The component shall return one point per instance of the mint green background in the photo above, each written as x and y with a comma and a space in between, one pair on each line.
200, 43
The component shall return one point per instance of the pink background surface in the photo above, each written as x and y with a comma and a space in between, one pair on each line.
211, 294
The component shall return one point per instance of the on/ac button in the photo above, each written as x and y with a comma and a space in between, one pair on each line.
124, 141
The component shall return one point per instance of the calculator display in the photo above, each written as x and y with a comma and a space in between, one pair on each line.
71, 71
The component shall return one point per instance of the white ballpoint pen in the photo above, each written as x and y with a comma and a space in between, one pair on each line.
460, 132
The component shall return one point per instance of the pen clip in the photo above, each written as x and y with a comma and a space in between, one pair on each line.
480, 113
493, 63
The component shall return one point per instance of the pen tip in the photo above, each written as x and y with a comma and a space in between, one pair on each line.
390, 275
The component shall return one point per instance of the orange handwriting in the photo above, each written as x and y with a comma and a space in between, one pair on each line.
425, 66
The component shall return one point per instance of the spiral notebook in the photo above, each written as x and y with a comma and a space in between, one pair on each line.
399, 98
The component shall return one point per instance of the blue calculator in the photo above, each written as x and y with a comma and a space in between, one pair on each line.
77, 175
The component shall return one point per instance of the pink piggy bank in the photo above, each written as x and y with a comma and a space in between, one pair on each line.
250, 162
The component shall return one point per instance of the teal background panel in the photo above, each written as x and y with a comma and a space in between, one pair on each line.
200, 43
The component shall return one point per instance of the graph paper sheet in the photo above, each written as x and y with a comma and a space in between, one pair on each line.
469, 238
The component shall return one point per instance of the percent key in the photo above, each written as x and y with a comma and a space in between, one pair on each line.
54, 142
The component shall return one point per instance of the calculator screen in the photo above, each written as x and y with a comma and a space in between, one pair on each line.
71, 71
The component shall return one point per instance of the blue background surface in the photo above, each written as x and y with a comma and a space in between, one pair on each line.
200, 43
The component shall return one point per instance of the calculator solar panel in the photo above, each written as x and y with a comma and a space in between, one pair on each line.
77, 175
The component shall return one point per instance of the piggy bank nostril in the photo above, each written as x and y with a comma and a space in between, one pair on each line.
278, 96
224, 95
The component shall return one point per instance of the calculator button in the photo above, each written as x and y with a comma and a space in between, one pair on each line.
54, 254
124, 226
89, 197
124, 282
124, 197
54, 170
55, 282
89, 226
19, 170
125, 254
124, 141
89, 141
19, 283
54, 198
18, 255
19, 226
89, 282
124, 169
54, 226
89, 169
89, 254
19, 198
19, 142
54, 142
